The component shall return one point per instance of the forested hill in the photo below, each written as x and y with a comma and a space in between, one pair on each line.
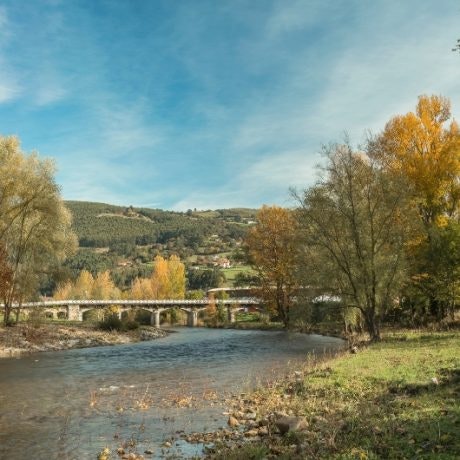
105, 225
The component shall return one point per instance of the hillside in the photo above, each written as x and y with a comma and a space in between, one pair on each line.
102, 225
125, 240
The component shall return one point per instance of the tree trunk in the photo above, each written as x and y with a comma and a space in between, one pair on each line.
372, 325
7, 313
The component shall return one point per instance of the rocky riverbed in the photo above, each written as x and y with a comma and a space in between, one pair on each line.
26, 338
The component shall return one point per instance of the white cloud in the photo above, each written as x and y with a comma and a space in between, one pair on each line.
9, 89
50, 93
294, 15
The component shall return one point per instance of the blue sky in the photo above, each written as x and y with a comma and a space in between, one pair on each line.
181, 104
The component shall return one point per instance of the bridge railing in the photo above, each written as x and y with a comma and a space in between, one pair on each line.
136, 303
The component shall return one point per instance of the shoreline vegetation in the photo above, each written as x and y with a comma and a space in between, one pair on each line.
24, 338
397, 398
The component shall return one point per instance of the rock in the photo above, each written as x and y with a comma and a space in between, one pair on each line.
263, 422
120, 451
263, 431
250, 416
104, 454
354, 349
148, 452
251, 433
232, 421
167, 444
291, 423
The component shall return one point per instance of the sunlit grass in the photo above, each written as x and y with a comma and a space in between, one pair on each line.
399, 398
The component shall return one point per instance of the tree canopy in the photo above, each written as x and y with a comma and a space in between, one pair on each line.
272, 250
35, 226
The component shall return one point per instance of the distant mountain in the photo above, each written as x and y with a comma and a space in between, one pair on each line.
125, 240
103, 225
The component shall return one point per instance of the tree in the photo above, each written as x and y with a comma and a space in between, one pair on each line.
434, 286
272, 250
83, 286
160, 278
176, 278
34, 223
104, 288
142, 289
167, 281
425, 149
355, 223
6, 275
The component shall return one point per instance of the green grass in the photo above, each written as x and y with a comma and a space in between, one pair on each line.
230, 273
379, 403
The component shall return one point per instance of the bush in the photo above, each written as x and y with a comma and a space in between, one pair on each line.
129, 325
111, 323
114, 323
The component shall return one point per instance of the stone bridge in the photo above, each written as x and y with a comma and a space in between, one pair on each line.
73, 310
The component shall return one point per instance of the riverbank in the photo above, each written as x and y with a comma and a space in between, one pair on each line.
25, 338
399, 398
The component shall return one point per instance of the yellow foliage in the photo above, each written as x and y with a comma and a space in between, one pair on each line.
63, 291
426, 150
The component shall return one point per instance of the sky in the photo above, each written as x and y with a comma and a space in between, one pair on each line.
183, 104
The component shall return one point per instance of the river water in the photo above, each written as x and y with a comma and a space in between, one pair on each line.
71, 404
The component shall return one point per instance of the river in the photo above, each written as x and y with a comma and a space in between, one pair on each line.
70, 404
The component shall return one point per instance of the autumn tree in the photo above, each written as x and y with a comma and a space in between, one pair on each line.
104, 287
272, 249
83, 286
424, 148
34, 223
167, 281
176, 277
354, 225
142, 289
160, 278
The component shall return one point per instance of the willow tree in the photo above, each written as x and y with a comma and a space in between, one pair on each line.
355, 222
272, 250
34, 223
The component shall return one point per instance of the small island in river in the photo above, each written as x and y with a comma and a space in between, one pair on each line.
24, 338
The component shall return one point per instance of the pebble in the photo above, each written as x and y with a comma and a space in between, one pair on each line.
263, 431
232, 421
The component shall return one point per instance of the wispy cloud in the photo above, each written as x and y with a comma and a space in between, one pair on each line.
213, 105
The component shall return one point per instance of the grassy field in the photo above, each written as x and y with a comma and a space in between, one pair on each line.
397, 399
230, 273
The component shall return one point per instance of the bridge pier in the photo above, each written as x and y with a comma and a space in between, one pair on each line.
192, 318
74, 313
231, 315
155, 318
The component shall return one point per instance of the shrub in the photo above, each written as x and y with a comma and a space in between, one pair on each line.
114, 323
129, 325
111, 323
